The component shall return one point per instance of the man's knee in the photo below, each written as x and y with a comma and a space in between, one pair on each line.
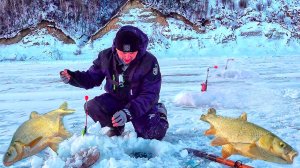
101, 109
91, 107
157, 131
94, 110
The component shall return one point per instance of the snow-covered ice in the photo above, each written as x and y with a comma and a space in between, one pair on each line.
267, 88
263, 80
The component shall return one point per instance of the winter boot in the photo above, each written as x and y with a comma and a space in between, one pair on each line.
162, 111
115, 131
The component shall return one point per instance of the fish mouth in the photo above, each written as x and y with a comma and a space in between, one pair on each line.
291, 156
202, 117
7, 163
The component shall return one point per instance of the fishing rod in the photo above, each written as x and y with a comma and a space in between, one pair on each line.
215, 158
86, 115
204, 85
229, 59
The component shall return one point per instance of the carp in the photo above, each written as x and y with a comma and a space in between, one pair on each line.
37, 133
238, 136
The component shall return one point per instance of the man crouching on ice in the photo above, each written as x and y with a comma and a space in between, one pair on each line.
133, 83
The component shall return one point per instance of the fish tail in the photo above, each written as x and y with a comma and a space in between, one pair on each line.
62, 110
64, 107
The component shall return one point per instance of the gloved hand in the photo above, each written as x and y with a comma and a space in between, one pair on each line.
65, 76
121, 117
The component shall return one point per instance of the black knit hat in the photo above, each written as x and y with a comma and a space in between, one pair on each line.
127, 41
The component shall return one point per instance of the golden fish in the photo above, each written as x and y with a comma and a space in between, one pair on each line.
37, 133
238, 136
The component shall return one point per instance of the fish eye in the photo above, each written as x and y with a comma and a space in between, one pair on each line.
282, 145
8, 154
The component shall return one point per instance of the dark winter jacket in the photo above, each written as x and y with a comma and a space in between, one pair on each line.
142, 79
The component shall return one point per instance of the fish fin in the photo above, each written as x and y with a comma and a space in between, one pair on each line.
34, 142
227, 150
54, 142
34, 114
64, 133
254, 150
54, 147
210, 131
211, 111
244, 116
62, 130
219, 141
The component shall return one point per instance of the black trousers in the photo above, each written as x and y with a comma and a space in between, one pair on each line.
149, 126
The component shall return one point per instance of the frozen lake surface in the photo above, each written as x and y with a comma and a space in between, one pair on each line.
266, 88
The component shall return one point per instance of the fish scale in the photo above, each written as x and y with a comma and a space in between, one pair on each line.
236, 128
238, 136
39, 124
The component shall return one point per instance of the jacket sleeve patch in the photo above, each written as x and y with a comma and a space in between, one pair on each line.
154, 73
155, 69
